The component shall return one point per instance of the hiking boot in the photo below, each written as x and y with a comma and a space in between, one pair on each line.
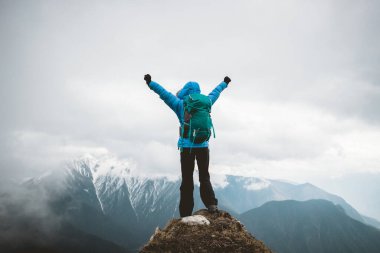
213, 209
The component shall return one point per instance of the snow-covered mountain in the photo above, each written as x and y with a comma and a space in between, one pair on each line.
103, 197
117, 190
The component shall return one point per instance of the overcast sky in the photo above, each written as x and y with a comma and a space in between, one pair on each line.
303, 104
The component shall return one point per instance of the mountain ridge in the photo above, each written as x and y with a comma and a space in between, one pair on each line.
106, 199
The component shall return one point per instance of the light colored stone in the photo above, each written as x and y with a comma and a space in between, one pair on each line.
155, 233
195, 220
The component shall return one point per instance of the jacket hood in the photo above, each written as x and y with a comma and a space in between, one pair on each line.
189, 88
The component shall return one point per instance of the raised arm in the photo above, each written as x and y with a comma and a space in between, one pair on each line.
214, 95
171, 100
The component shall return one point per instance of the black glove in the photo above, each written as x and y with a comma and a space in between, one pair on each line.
227, 80
147, 79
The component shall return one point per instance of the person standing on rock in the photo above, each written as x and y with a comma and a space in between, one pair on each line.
193, 111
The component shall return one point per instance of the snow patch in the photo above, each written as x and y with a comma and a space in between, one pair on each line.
195, 220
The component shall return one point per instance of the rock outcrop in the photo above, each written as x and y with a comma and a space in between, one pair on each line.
223, 234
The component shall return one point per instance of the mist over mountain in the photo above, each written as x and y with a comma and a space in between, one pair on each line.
29, 223
102, 197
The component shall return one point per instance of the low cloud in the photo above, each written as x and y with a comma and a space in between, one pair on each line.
282, 140
26, 217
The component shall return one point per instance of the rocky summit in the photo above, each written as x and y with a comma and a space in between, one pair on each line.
224, 233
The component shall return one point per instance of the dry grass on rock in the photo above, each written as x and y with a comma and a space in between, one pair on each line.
224, 234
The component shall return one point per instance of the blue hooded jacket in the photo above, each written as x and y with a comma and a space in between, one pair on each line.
176, 104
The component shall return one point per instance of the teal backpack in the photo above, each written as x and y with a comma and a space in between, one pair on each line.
197, 124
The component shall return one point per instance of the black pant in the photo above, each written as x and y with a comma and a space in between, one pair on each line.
188, 157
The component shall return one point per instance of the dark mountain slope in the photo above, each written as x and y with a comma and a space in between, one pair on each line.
310, 226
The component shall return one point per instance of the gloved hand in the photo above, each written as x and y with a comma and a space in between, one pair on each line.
227, 80
147, 79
